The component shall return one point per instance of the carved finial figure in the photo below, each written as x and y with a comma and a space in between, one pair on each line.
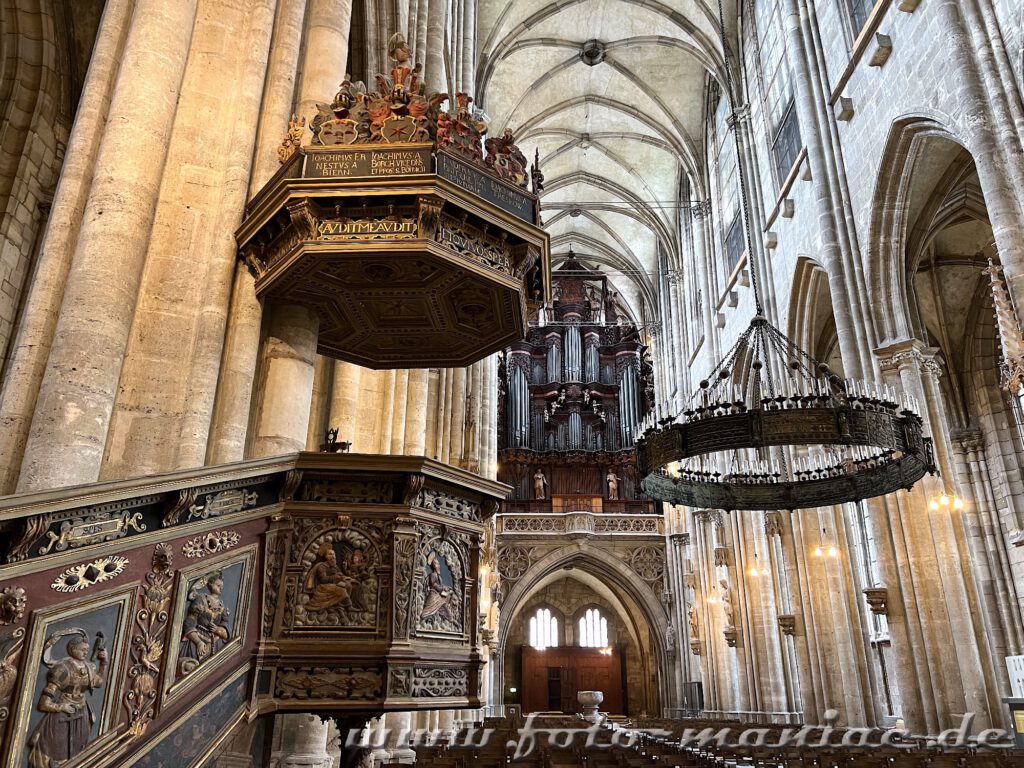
292, 140
535, 174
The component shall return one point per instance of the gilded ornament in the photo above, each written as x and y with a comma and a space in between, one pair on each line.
12, 604
85, 575
210, 544
149, 641
292, 139
10, 652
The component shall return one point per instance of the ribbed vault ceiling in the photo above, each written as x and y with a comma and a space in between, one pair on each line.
616, 133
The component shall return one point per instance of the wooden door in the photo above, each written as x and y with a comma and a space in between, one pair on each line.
553, 677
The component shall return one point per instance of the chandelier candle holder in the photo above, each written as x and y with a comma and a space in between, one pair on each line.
728, 446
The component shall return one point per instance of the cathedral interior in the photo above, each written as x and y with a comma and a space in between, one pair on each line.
543, 383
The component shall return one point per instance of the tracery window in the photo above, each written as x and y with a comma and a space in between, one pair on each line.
728, 187
776, 87
859, 11
543, 629
593, 629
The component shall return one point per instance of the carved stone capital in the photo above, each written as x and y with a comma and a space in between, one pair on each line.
968, 440
680, 539
701, 209
740, 115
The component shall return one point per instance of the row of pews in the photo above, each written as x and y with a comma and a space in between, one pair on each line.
569, 742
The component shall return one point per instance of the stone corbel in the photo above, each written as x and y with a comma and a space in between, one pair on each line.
787, 623
881, 50
772, 524
695, 646
877, 600
731, 636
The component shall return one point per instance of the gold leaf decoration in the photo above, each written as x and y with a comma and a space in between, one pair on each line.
148, 641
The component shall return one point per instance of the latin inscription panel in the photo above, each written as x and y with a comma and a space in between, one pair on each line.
368, 161
481, 183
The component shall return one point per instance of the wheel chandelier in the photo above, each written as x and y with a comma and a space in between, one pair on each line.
727, 446
773, 428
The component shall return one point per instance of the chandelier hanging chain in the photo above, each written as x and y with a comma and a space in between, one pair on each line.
740, 164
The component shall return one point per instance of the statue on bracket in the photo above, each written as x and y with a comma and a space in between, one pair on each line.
728, 608
67, 722
540, 485
613, 485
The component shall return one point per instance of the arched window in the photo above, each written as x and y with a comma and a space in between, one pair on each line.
728, 187
593, 629
543, 630
859, 11
776, 87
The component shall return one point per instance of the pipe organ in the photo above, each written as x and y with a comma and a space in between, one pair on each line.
572, 393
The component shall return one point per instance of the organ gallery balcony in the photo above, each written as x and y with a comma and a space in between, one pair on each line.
417, 242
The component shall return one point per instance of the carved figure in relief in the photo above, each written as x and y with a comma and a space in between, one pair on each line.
329, 584
68, 719
692, 613
613, 485
205, 629
540, 485
439, 594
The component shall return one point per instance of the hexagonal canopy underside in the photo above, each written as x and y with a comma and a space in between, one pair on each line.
411, 304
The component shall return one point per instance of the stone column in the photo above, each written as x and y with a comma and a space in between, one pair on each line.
68, 435
241, 344
319, 402
31, 348
326, 54
852, 321
289, 350
400, 402
286, 391
416, 412
345, 400
303, 742
435, 70
165, 399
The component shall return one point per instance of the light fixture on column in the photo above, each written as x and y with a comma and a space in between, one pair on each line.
757, 570
946, 501
767, 395
825, 548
